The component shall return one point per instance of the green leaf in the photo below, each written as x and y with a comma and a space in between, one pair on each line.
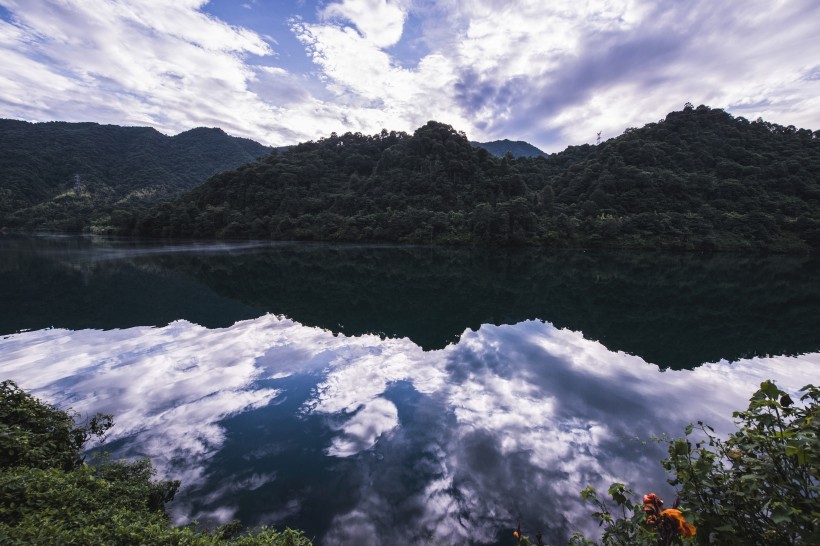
770, 390
589, 493
793, 449
781, 514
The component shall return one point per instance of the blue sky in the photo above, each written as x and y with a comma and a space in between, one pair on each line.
553, 73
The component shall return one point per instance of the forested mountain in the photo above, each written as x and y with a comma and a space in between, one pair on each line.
698, 179
71, 176
518, 148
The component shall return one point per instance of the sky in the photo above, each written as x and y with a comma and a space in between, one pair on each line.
553, 73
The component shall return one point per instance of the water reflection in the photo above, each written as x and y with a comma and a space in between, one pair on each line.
74, 282
362, 440
676, 310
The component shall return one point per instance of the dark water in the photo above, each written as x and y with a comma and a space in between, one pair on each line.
485, 399
675, 310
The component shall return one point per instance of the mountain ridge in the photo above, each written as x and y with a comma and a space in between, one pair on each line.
699, 179
518, 148
61, 175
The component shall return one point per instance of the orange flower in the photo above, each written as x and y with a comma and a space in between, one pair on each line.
652, 506
516, 535
685, 529
652, 503
651, 498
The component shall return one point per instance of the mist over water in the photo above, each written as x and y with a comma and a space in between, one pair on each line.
419, 432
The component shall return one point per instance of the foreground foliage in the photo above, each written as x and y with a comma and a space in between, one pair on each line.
761, 486
48, 495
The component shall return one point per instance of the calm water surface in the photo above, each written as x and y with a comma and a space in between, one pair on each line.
674, 310
377, 393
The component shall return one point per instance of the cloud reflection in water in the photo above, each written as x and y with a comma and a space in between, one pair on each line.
510, 422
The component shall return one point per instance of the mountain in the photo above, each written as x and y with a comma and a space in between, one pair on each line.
518, 148
699, 179
72, 176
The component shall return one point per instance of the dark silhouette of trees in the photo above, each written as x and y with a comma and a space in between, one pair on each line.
699, 179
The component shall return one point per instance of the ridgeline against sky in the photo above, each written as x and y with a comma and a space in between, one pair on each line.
549, 73
63, 176
698, 179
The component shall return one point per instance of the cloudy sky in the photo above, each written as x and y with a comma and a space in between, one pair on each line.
553, 73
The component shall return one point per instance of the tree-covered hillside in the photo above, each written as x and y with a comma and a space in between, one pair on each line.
698, 179
71, 176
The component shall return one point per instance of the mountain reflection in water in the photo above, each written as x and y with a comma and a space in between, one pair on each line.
675, 310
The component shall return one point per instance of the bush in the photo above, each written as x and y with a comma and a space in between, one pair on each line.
761, 486
38, 435
48, 495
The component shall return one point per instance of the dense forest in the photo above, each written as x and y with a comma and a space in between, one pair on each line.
698, 179
71, 176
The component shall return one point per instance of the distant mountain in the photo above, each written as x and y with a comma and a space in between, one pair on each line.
518, 148
700, 179
72, 176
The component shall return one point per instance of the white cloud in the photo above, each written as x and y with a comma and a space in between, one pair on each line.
512, 421
374, 91
619, 64
381, 22
552, 73
557, 73
364, 428
162, 64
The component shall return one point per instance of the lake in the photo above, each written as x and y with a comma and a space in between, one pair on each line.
391, 394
